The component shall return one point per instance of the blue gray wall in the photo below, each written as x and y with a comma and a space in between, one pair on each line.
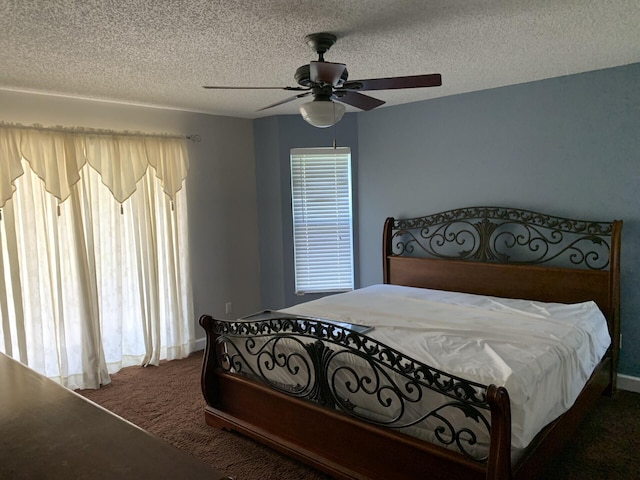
568, 146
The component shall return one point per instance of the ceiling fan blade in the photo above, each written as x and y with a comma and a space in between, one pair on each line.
392, 83
286, 100
297, 89
358, 100
326, 72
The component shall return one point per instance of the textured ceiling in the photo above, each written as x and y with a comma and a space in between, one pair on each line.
161, 52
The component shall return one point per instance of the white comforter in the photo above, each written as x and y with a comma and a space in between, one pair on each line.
543, 353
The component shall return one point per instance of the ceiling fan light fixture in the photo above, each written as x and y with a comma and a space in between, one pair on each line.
322, 113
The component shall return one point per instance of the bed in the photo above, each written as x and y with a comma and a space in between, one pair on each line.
336, 385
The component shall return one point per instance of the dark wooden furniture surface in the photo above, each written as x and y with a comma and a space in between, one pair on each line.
49, 432
484, 262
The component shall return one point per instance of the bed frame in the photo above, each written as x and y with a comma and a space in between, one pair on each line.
484, 250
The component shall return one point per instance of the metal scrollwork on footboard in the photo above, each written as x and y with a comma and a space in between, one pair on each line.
504, 235
351, 372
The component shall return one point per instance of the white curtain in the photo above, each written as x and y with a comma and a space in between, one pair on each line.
94, 271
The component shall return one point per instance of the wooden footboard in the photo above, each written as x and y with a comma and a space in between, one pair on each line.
313, 423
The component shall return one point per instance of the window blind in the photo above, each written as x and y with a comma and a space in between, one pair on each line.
322, 219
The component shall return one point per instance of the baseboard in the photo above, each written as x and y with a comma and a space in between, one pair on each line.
201, 343
629, 383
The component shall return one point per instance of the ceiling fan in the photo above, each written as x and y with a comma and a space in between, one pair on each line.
329, 84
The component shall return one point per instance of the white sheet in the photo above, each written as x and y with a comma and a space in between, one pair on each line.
543, 353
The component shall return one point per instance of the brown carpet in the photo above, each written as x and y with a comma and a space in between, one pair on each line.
167, 401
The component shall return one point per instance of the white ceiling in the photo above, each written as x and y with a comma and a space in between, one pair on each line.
161, 52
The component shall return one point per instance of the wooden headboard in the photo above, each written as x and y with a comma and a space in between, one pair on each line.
508, 252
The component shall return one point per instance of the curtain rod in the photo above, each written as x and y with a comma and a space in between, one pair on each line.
94, 131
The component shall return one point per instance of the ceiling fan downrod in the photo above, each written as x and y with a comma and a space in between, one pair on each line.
321, 42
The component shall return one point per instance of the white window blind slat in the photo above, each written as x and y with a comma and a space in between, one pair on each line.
322, 219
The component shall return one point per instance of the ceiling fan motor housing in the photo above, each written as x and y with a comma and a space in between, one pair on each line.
303, 77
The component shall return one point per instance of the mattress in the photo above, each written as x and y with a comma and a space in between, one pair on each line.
542, 353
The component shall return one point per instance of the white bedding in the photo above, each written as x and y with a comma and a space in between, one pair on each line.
543, 353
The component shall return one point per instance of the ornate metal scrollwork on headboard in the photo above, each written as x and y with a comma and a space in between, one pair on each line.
343, 369
504, 235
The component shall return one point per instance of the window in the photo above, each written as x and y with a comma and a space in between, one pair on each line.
322, 219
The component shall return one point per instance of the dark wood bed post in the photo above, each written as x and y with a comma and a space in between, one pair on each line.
387, 232
209, 381
614, 289
499, 462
